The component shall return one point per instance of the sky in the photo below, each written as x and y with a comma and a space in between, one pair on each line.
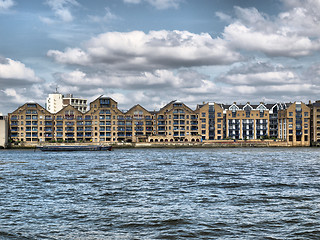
150, 52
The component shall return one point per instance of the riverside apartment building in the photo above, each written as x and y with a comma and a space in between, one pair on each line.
175, 122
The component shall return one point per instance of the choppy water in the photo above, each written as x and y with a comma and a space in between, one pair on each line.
161, 194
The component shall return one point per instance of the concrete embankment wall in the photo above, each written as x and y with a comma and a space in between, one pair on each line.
207, 144
217, 144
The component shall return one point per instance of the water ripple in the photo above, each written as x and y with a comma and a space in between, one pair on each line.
161, 194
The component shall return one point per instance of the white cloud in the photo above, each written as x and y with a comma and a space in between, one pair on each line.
15, 72
70, 56
281, 36
132, 1
61, 8
159, 4
106, 18
163, 79
259, 74
6, 4
156, 50
46, 20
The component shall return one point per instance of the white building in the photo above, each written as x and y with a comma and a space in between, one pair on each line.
3, 131
56, 101
78, 103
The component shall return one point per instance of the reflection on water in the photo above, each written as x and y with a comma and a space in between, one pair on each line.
161, 194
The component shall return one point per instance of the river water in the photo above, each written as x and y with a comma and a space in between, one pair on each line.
242, 193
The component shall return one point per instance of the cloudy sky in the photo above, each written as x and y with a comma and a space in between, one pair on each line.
153, 51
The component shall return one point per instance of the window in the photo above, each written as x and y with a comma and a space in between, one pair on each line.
203, 114
290, 131
219, 114
203, 126
290, 119
290, 114
306, 114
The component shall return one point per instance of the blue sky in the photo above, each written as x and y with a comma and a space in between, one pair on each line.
153, 51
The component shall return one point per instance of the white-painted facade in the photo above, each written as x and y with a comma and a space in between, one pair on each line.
3, 131
54, 102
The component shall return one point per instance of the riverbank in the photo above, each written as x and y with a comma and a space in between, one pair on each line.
204, 144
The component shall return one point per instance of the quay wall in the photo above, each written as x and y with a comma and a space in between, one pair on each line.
204, 144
